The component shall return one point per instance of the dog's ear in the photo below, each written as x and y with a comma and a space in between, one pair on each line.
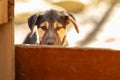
32, 21
70, 18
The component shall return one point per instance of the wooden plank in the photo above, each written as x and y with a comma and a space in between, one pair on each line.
6, 51
51, 63
6, 46
3, 11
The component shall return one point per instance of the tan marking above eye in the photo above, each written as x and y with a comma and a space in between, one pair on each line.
57, 25
45, 24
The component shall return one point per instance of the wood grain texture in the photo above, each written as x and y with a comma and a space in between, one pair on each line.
51, 63
3, 11
10, 10
7, 51
6, 43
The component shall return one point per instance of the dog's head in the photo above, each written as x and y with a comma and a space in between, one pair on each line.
51, 26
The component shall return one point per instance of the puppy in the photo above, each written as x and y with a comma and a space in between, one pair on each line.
49, 27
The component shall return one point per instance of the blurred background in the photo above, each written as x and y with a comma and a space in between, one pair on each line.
98, 20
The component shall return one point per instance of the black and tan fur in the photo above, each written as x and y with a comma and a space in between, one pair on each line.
49, 27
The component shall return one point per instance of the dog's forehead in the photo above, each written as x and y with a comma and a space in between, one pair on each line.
53, 15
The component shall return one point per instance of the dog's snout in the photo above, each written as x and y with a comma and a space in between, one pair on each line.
50, 42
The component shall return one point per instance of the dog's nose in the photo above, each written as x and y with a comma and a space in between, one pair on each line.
50, 42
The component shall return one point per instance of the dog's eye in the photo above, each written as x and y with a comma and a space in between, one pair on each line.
44, 26
58, 26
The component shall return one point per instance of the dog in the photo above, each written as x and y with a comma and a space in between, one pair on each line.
49, 27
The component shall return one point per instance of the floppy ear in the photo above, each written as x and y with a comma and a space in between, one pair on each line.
70, 18
32, 21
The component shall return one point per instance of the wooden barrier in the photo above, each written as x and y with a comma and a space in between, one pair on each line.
6, 40
3, 11
58, 63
